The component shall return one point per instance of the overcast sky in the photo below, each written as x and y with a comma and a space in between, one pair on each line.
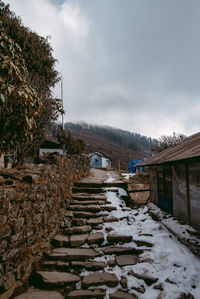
131, 64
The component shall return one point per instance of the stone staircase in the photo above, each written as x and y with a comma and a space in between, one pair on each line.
75, 268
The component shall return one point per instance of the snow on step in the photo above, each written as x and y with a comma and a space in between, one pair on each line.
73, 254
78, 230
115, 238
98, 278
54, 279
80, 294
88, 208
95, 238
78, 240
122, 295
38, 294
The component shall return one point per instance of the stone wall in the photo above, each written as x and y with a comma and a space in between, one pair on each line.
33, 201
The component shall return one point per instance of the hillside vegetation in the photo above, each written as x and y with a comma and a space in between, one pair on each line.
115, 143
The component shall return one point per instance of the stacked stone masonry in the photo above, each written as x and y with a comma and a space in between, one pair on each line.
33, 201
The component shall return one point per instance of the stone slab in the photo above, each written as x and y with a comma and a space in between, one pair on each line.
80, 294
73, 254
55, 265
95, 221
86, 215
54, 278
95, 238
121, 250
122, 295
89, 265
78, 240
88, 208
38, 294
115, 238
87, 202
78, 230
127, 259
98, 278
111, 219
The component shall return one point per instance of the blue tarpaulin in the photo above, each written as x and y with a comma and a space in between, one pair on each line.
132, 168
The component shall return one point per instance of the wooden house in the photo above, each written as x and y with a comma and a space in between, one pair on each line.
175, 180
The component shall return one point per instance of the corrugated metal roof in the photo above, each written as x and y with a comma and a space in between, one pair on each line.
187, 149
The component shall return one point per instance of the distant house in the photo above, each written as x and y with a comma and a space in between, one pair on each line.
175, 180
99, 160
50, 145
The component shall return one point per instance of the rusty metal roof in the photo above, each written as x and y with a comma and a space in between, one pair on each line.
187, 149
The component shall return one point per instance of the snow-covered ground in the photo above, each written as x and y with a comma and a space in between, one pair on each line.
173, 264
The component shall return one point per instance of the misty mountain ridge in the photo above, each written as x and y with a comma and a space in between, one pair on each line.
116, 144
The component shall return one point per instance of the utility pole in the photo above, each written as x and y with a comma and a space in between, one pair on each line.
62, 108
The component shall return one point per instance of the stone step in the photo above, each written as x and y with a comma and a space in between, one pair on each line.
87, 215
121, 250
96, 279
115, 238
95, 221
85, 196
110, 219
88, 208
101, 185
53, 279
122, 295
95, 238
75, 230
72, 254
61, 266
39, 294
127, 259
89, 265
87, 294
88, 190
87, 202
78, 240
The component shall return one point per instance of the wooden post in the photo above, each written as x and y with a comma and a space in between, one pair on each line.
188, 192
119, 167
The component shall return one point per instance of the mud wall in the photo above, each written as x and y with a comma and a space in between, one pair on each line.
33, 201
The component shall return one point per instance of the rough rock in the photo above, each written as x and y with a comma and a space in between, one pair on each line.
78, 240
55, 265
98, 278
124, 282
95, 238
86, 215
80, 294
127, 259
115, 238
111, 219
38, 294
109, 208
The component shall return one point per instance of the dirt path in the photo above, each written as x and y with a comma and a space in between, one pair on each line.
107, 250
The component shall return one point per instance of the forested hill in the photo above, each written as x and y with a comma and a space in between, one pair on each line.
115, 143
